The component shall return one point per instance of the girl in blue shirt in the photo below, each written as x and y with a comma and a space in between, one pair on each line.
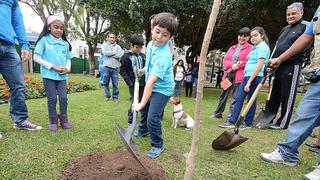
53, 53
253, 74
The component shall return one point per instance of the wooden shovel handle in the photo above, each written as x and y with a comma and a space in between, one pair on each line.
270, 89
252, 99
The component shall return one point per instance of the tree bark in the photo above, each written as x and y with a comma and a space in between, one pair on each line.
190, 162
91, 59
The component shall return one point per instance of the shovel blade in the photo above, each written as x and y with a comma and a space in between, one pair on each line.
227, 141
263, 119
127, 140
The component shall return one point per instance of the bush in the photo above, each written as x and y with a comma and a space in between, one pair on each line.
35, 89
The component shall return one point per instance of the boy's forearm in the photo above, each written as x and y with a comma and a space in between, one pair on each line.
299, 45
148, 89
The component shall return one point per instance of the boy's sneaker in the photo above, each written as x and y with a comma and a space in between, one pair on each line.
139, 135
28, 126
226, 125
155, 152
244, 126
314, 175
275, 157
0, 136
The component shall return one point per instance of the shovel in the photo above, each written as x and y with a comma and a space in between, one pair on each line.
228, 140
126, 134
265, 116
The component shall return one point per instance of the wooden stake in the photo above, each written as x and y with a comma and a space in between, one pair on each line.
190, 162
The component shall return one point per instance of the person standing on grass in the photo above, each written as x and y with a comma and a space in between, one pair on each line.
159, 80
53, 53
195, 72
112, 53
131, 61
188, 81
308, 111
179, 74
253, 74
233, 63
12, 30
286, 78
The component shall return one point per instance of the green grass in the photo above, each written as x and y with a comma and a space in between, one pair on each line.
42, 155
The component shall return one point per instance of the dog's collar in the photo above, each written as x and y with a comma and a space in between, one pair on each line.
178, 111
181, 110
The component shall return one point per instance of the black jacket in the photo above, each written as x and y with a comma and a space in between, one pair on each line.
287, 37
126, 70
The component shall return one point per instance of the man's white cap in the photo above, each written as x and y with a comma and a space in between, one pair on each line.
52, 18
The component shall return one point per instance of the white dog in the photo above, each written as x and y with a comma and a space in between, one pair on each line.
179, 116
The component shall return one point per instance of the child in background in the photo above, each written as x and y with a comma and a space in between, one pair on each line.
130, 61
159, 80
53, 53
178, 73
188, 81
253, 74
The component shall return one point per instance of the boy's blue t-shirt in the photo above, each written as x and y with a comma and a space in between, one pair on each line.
309, 29
56, 52
258, 51
159, 63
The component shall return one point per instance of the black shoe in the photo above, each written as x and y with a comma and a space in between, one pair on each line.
316, 150
310, 76
218, 116
313, 145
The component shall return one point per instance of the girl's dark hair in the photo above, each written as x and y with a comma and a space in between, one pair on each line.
244, 31
45, 31
260, 30
176, 65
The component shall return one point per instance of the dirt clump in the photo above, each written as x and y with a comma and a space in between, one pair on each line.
118, 165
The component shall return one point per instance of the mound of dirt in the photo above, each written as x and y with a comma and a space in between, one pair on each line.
118, 165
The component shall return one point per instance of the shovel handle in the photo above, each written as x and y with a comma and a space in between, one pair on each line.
252, 99
270, 90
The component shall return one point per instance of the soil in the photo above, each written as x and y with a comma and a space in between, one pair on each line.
118, 165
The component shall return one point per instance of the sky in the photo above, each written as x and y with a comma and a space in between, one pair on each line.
32, 21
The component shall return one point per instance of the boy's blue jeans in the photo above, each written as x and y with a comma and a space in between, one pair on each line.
241, 95
12, 72
153, 125
112, 73
307, 118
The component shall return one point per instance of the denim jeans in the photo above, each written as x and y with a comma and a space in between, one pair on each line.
54, 88
307, 118
241, 95
111, 73
153, 125
196, 86
12, 72
177, 88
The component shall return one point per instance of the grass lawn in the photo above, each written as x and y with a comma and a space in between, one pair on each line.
43, 154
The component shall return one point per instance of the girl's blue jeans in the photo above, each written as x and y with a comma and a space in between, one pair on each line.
241, 95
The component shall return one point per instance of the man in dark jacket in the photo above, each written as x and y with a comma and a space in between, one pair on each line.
287, 75
131, 61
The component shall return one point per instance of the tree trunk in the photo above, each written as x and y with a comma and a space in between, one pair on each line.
190, 162
91, 59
